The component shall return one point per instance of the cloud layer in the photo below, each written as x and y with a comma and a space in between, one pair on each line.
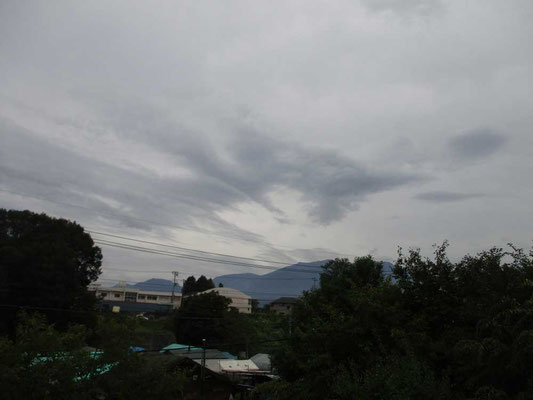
285, 131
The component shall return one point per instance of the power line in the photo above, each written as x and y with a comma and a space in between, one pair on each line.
186, 248
233, 277
192, 257
190, 229
120, 215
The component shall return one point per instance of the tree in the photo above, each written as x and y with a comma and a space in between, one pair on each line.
46, 263
201, 317
44, 363
203, 284
440, 330
472, 321
191, 285
342, 326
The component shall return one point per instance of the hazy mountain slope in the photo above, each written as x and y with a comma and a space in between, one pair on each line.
287, 281
156, 285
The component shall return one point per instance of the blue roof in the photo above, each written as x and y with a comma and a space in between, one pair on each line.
177, 346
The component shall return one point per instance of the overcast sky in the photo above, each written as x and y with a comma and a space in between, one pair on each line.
290, 130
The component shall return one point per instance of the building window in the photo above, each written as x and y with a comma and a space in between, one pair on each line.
142, 297
117, 295
249, 301
103, 294
131, 297
153, 298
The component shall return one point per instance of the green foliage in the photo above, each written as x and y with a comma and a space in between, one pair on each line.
450, 330
44, 363
47, 263
205, 316
208, 316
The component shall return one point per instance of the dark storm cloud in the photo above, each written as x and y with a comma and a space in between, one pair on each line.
476, 144
445, 197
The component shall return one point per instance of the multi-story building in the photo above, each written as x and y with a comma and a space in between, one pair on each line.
283, 305
239, 300
125, 299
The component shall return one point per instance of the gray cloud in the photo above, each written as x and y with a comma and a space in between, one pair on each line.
476, 144
445, 197
420, 7
277, 120
134, 198
252, 167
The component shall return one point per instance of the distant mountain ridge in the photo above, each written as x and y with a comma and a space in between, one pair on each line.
289, 281
156, 285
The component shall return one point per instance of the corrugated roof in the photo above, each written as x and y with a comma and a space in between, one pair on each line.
178, 346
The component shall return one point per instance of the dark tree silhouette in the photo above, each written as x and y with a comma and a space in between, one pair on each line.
46, 263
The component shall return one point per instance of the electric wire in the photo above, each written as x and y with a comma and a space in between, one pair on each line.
195, 258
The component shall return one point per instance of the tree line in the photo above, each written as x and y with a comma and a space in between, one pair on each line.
435, 329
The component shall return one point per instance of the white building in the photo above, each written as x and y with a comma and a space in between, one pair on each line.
229, 366
132, 299
239, 300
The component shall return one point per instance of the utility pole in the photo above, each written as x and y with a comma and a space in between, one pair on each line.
202, 372
314, 283
175, 274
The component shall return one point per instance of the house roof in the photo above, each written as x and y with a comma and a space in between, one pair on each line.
228, 292
238, 366
262, 360
120, 289
178, 346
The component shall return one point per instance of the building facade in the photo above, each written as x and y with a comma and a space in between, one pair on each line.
239, 300
129, 299
283, 305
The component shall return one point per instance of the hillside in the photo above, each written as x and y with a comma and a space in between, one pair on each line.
287, 281
156, 285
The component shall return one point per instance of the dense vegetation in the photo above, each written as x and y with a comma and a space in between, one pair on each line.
436, 330
208, 316
192, 285
45, 363
46, 263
